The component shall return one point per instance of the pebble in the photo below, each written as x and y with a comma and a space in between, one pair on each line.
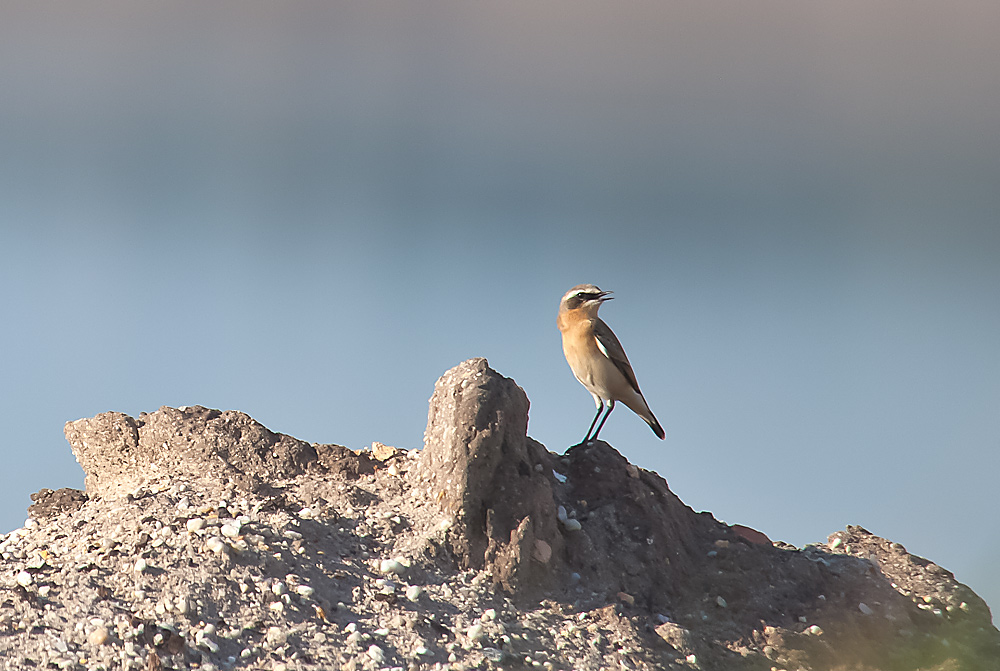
99, 636
207, 643
376, 654
814, 630
865, 609
476, 632
305, 590
542, 551
140, 565
195, 524
721, 602
230, 529
24, 579
413, 592
275, 637
215, 544
393, 566
493, 654
489, 615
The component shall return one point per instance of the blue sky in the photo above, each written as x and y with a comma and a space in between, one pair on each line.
308, 212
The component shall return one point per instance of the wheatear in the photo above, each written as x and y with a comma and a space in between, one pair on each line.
597, 358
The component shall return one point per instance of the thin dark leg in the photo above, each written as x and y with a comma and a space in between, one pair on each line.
600, 408
611, 407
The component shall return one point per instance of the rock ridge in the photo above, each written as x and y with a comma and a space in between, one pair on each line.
205, 540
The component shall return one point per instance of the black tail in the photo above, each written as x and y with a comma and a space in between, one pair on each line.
657, 429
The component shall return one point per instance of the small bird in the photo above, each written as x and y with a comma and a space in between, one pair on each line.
597, 359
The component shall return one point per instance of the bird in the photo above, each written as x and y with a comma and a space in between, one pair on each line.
597, 358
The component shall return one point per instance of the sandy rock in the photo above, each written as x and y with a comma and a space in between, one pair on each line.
193, 550
486, 475
118, 452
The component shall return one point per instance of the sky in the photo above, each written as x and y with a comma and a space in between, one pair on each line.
309, 211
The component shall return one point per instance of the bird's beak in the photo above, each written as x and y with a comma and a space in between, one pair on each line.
606, 296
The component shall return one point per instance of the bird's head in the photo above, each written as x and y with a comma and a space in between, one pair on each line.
586, 297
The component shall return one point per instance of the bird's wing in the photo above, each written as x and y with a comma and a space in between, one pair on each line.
609, 345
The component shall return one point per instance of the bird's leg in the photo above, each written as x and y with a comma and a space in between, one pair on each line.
600, 409
611, 406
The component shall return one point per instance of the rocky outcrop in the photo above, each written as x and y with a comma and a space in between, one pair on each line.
204, 539
626, 536
492, 483
117, 451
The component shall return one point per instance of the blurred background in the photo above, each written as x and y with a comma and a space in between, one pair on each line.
309, 211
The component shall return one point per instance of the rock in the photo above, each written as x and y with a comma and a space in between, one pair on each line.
376, 653
117, 451
750, 535
48, 503
393, 566
542, 551
383, 452
679, 638
344, 462
99, 636
486, 476
244, 565
476, 632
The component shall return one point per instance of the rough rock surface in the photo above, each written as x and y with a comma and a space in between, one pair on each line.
206, 541
493, 483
